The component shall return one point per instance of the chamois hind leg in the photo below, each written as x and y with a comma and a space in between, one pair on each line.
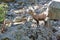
37, 23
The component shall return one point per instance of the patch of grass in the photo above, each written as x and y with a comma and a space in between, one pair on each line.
2, 12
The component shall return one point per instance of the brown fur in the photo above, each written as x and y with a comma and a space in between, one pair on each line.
38, 17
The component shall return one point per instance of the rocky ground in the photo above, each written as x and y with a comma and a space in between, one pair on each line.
27, 28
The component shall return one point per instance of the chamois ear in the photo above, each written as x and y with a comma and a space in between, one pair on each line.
30, 11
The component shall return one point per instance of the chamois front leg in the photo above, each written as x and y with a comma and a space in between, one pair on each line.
37, 23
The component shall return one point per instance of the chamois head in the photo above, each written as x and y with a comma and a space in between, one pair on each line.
32, 12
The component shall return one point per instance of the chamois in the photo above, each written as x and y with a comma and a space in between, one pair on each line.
38, 17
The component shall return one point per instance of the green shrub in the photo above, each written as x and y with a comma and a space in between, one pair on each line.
3, 11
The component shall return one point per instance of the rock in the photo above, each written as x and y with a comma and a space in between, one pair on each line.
8, 0
19, 34
43, 1
54, 10
18, 19
8, 22
10, 13
37, 6
58, 37
54, 37
6, 38
33, 26
29, 18
41, 38
54, 30
33, 21
25, 38
20, 3
41, 23
19, 11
